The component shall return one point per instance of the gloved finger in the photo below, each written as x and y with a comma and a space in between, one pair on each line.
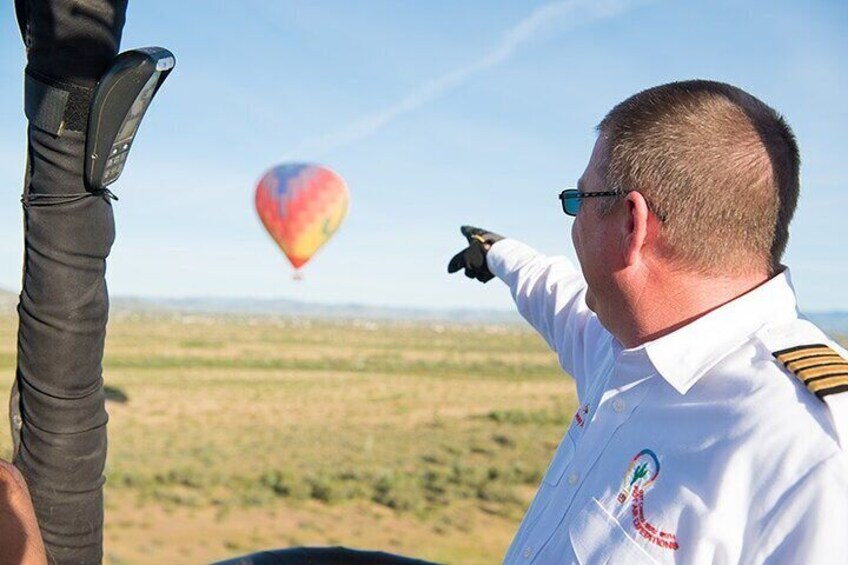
475, 255
470, 231
484, 277
457, 262
470, 273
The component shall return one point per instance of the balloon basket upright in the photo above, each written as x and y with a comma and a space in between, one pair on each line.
297, 276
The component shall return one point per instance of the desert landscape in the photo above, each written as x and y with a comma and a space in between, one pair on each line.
229, 434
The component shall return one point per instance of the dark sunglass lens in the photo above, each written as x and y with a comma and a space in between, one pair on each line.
571, 205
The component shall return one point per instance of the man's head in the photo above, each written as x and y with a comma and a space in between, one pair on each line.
718, 165
708, 183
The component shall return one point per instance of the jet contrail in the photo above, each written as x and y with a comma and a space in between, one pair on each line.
571, 12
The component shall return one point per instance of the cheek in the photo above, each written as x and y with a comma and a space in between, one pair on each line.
581, 241
590, 300
575, 238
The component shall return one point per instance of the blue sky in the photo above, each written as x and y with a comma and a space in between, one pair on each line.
437, 114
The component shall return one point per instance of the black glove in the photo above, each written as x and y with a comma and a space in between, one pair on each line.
473, 257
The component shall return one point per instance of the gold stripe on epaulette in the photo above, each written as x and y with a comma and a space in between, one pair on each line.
822, 370
808, 362
828, 383
832, 370
802, 352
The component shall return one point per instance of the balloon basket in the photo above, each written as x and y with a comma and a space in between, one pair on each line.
297, 276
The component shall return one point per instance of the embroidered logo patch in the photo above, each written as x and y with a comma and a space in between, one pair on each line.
641, 475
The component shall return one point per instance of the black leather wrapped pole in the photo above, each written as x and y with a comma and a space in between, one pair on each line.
58, 409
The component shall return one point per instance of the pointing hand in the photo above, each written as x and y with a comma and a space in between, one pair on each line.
473, 257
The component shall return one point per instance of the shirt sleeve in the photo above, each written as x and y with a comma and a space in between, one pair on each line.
550, 294
809, 524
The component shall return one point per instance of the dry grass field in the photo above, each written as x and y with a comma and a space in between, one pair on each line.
231, 435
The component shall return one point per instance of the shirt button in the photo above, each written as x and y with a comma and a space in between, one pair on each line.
528, 552
573, 478
618, 405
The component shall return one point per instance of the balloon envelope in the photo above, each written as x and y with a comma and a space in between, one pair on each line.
301, 205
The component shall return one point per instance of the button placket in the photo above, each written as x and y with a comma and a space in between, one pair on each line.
612, 412
627, 378
538, 529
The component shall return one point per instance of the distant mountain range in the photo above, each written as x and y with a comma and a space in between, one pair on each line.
834, 323
121, 305
283, 307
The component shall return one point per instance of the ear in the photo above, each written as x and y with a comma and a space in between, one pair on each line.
636, 227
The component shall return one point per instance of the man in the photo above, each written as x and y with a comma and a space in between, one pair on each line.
703, 432
57, 409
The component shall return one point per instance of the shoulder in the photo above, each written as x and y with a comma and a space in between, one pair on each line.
816, 366
791, 352
786, 436
770, 410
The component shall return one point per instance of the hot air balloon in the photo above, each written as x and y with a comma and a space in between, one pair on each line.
301, 205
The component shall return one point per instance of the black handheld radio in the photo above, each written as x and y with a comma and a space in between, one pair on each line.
120, 100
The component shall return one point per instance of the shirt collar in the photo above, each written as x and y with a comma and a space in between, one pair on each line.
685, 355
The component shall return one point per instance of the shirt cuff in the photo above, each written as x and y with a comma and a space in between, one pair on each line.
508, 255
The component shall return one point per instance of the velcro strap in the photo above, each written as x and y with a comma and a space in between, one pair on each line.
55, 106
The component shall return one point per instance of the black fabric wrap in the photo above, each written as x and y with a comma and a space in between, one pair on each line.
63, 311
63, 308
72, 40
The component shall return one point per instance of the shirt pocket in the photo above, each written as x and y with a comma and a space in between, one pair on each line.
562, 458
597, 537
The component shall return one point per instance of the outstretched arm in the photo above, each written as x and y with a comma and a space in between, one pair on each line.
548, 291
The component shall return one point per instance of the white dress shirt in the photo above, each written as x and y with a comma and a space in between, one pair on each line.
698, 447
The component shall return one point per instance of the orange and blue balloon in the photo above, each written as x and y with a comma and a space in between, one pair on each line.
301, 205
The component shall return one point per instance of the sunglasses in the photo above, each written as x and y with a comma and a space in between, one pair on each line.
572, 198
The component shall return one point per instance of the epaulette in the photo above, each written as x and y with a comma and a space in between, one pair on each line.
821, 366
822, 370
